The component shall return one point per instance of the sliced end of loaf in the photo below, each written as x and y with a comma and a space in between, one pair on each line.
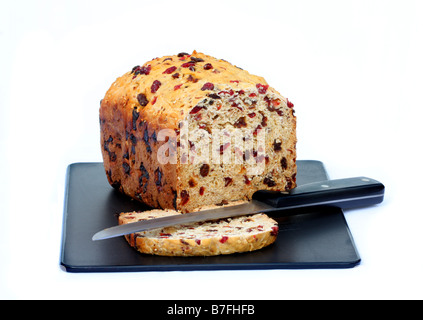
236, 141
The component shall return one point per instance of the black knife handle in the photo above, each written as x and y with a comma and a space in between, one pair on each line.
341, 193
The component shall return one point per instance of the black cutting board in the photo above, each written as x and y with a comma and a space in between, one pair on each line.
318, 239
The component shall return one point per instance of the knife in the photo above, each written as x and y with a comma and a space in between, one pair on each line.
341, 193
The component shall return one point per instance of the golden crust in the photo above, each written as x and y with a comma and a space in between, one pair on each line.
227, 236
172, 105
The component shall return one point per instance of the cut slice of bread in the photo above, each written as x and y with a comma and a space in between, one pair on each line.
225, 236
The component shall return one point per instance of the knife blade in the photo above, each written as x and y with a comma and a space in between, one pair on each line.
342, 193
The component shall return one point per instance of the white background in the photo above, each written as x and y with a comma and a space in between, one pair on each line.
353, 69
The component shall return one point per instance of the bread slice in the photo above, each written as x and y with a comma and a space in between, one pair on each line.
225, 236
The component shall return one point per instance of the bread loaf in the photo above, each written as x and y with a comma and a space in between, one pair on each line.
186, 131
226, 236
